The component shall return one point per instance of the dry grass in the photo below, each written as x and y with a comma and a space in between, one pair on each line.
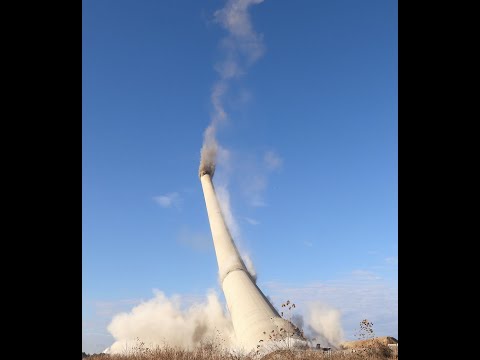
214, 352
367, 348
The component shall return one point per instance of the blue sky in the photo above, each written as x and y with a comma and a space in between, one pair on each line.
312, 169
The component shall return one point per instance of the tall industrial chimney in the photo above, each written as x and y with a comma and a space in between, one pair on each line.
254, 319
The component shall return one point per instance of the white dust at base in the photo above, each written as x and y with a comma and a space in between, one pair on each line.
169, 321
323, 322
177, 322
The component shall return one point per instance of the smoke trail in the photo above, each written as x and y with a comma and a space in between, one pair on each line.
165, 321
209, 152
242, 47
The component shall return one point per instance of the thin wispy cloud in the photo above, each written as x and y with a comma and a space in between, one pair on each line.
272, 160
362, 275
107, 308
168, 200
362, 295
196, 240
392, 260
251, 221
257, 201
255, 188
256, 172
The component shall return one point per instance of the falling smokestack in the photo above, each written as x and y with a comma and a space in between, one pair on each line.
253, 317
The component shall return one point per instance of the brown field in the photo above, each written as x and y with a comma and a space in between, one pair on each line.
211, 352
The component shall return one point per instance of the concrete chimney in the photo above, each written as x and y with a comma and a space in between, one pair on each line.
253, 317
